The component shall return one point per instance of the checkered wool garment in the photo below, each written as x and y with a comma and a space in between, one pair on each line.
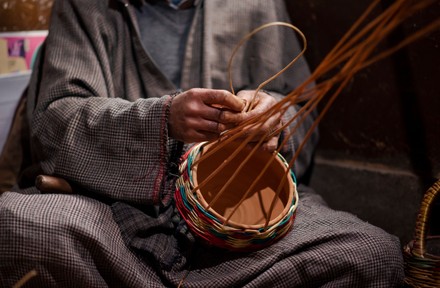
100, 122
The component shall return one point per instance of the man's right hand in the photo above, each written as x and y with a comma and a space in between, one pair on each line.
197, 114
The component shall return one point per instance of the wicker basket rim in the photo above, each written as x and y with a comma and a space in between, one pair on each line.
418, 245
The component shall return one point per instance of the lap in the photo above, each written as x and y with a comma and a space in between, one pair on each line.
81, 235
71, 240
325, 246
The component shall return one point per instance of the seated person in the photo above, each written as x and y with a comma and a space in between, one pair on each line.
105, 116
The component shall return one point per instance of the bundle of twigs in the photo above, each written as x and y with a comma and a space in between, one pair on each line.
356, 50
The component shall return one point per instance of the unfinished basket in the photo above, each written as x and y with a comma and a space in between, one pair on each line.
422, 255
237, 220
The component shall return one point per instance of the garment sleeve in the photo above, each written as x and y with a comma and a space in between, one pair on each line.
83, 132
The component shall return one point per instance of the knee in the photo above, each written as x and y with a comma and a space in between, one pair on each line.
38, 232
44, 223
378, 258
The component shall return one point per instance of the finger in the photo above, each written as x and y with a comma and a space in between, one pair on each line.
212, 127
213, 114
276, 126
271, 145
271, 128
272, 125
264, 129
250, 97
223, 98
221, 115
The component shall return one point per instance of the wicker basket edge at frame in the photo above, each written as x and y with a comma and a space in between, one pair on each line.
422, 269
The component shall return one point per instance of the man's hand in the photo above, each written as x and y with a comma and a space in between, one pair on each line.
202, 114
263, 102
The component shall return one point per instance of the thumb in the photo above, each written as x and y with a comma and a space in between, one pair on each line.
224, 99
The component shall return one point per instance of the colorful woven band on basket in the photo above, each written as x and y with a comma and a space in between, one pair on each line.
211, 229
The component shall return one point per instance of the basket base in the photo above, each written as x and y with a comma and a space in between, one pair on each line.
423, 271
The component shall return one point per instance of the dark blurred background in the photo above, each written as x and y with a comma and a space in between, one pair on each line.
379, 147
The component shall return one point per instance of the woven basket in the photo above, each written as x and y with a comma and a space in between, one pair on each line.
422, 255
248, 227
